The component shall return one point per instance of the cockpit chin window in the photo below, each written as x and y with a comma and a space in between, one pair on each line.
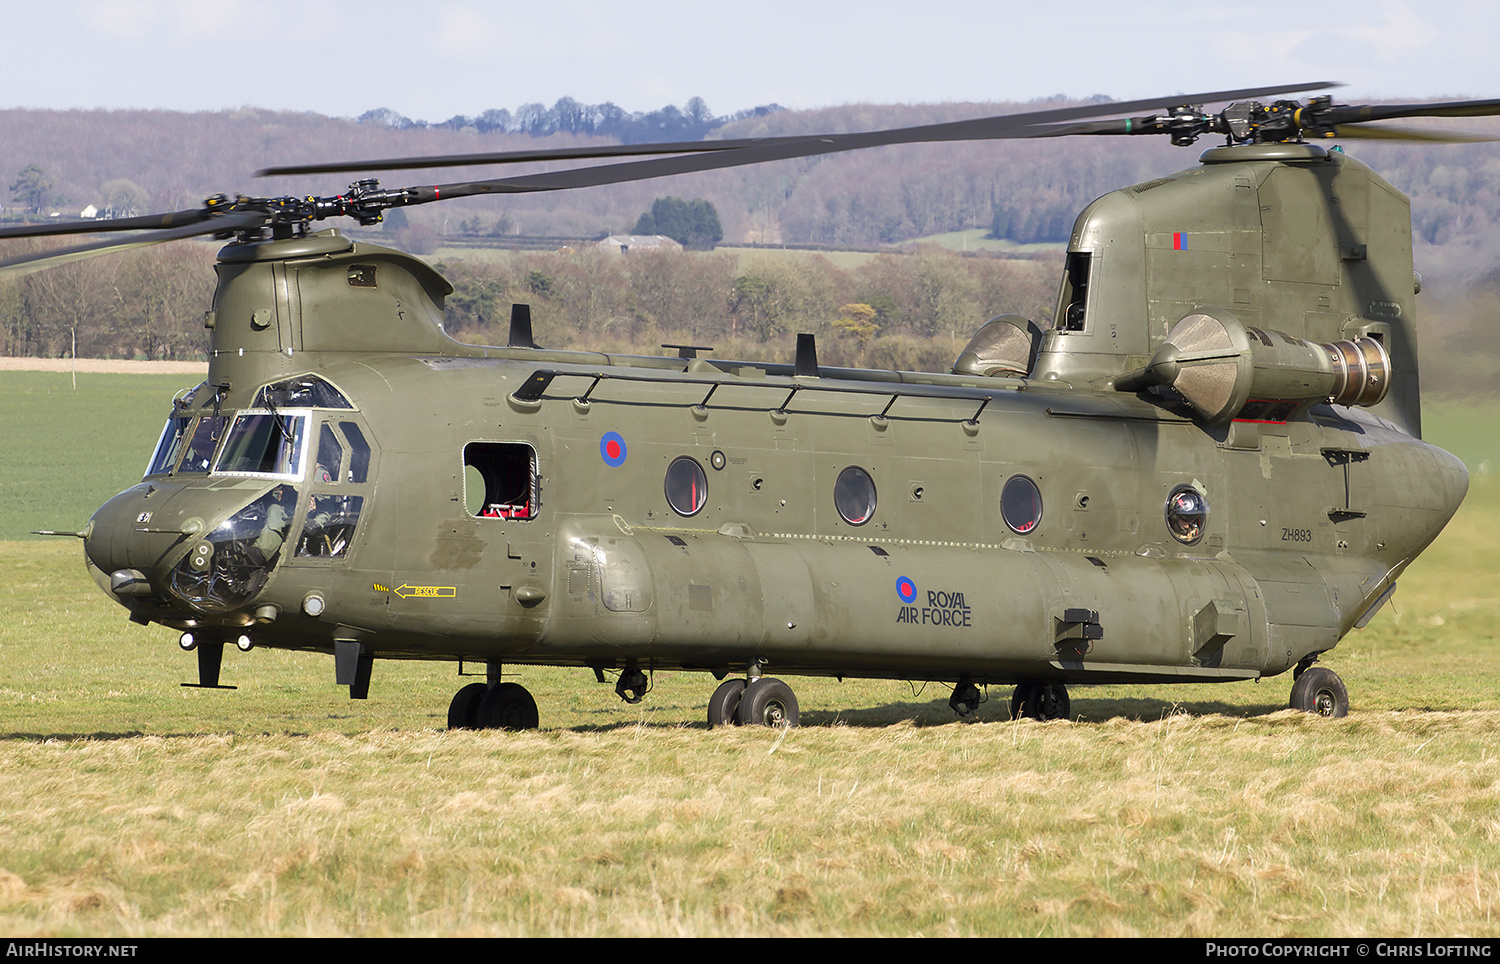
230, 566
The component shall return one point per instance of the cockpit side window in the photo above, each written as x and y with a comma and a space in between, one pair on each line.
359, 455
1073, 300
200, 449
170, 445
330, 456
339, 489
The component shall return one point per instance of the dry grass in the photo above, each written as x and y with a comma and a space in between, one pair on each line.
1185, 826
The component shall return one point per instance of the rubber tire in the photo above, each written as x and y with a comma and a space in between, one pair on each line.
508, 706
1041, 701
1319, 690
767, 702
463, 712
724, 702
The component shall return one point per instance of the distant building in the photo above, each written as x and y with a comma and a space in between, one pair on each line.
89, 213
626, 243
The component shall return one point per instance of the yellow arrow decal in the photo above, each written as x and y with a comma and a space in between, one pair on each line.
430, 592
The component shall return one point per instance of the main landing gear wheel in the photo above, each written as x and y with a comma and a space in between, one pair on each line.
1040, 701
767, 702
507, 706
463, 712
725, 701
1319, 690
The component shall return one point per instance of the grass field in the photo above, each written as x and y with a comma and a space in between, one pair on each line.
132, 806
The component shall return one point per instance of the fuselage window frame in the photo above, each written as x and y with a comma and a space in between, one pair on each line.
293, 423
502, 480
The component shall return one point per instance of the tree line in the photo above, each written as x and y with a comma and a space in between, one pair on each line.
904, 311
691, 122
916, 310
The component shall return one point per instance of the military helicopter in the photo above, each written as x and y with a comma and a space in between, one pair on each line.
1206, 467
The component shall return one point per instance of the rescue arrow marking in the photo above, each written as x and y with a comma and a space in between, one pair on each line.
440, 592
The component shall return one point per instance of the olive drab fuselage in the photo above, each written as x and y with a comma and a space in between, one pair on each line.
1139, 497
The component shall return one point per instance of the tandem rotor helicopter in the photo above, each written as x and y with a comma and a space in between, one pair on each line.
1207, 466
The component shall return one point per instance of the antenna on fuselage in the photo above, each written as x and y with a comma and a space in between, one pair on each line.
807, 356
520, 327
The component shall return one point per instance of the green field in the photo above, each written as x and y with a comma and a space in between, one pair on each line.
63, 452
132, 806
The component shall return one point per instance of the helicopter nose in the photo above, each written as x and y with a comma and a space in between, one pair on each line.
125, 546
153, 541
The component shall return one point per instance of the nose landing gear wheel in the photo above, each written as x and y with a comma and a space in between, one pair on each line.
1319, 690
767, 702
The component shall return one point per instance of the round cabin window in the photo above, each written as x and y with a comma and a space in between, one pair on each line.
1187, 514
854, 495
1021, 504
686, 486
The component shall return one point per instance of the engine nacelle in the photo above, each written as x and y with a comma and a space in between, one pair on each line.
1220, 365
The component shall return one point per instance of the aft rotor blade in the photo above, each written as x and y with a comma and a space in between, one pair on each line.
1005, 126
979, 129
36, 261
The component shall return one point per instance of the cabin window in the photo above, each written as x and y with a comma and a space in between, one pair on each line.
262, 443
500, 480
1187, 514
686, 486
1073, 300
1021, 504
854, 495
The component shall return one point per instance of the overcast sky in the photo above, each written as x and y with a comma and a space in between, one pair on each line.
434, 59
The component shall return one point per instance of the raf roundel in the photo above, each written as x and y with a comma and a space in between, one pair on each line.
906, 589
612, 448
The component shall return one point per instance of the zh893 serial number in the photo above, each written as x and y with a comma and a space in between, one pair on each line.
1296, 535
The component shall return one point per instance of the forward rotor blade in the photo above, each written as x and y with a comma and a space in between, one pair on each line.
26, 264
979, 129
1005, 126
145, 222
507, 157
1454, 108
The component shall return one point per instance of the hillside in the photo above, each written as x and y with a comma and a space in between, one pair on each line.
1026, 190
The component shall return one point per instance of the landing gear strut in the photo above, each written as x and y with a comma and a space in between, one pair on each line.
1040, 701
